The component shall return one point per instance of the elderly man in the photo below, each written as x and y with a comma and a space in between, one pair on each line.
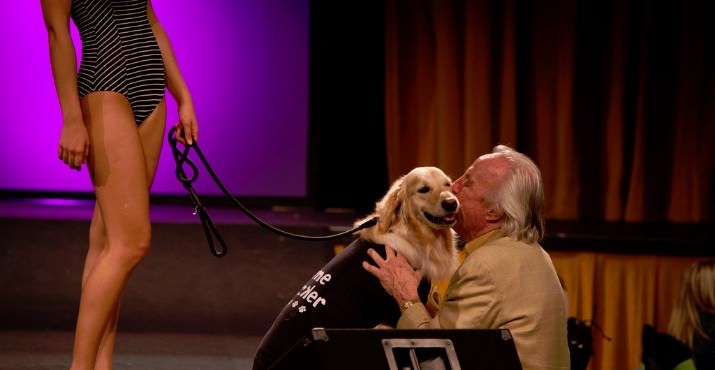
506, 280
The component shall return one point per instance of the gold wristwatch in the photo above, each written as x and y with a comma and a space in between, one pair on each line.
408, 304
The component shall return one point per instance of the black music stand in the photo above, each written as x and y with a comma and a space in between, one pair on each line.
399, 349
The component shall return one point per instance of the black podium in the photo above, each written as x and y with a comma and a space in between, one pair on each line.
395, 349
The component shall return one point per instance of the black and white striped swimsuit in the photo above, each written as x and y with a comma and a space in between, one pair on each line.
119, 52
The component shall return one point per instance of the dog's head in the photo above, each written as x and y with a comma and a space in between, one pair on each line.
416, 216
421, 196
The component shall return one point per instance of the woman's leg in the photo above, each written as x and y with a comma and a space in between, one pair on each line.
98, 245
121, 176
151, 133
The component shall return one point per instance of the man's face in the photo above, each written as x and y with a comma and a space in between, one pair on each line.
480, 179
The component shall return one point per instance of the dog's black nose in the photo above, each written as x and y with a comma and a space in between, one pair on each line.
449, 204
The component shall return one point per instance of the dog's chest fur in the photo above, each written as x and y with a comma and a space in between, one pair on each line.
436, 256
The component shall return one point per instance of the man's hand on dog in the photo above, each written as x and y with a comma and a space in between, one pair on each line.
396, 275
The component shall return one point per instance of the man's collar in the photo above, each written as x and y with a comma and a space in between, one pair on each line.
481, 240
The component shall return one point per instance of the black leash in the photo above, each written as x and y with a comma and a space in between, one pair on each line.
181, 157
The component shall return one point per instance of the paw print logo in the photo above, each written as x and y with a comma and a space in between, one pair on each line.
295, 303
301, 309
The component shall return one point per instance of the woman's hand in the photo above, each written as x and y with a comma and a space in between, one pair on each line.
187, 129
74, 144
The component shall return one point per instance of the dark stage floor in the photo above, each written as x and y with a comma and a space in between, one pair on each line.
49, 350
183, 307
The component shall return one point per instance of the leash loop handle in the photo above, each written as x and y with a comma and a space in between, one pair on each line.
181, 159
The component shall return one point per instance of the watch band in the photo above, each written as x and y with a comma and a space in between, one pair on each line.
408, 304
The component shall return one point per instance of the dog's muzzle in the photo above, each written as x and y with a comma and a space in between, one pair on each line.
450, 206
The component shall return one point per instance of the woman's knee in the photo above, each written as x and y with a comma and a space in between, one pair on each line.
134, 247
141, 245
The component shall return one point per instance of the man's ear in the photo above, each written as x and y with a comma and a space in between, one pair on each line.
493, 215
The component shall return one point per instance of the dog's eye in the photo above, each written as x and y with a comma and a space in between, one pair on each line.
424, 189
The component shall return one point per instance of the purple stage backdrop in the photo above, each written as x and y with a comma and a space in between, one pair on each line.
246, 63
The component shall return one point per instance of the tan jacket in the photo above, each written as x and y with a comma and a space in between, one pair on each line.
503, 283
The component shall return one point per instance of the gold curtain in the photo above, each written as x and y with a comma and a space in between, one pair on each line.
620, 293
615, 101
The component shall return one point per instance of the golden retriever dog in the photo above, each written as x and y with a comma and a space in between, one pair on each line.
415, 218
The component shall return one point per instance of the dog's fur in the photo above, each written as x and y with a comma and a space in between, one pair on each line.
415, 219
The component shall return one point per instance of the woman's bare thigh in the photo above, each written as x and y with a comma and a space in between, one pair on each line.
118, 167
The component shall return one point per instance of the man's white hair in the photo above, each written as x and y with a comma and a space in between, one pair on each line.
520, 197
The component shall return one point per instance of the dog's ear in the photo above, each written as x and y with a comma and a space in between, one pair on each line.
388, 208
